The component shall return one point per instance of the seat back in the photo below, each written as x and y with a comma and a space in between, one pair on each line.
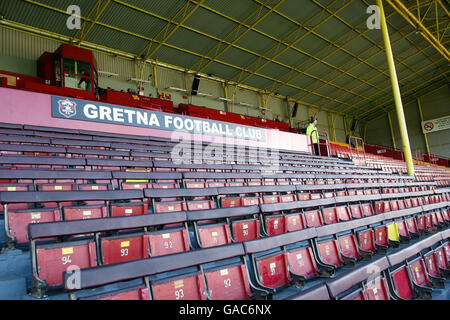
128, 294
124, 248
18, 221
54, 259
302, 262
402, 283
377, 289
419, 272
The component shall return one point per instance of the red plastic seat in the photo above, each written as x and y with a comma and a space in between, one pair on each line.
400, 205
231, 202
343, 213
19, 220
270, 199
134, 186
129, 209
330, 253
356, 212
402, 227
169, 206
124, 248
330, 215
349, 246
294, 222
273, 270
432, 262
168, 241
230, 283
359, 294
200, 205
275, 224
302, 262
366, 240
85, 212
443, 257
211, 235
54, 259
245, 230
381, 207
418, 270
93, 187
402, 283
367, 209
393, 205
381, 235
194, 184
412, 225
55, 187
140, 293
314, 218
408, 203
377, 289
190, 287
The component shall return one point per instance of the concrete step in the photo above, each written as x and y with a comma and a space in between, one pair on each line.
16, 262
12, 287
2, 232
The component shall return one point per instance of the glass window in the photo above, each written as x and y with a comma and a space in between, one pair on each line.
77, 74
58, 72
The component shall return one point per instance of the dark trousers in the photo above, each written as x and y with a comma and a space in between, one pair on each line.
316, 149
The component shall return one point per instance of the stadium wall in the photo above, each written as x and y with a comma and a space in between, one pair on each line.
434, 105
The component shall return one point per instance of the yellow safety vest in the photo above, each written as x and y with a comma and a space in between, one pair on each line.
309, 132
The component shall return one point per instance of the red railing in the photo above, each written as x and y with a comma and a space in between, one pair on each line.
356, 146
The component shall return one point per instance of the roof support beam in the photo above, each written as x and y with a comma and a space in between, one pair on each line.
96, 4
290, 44
377, 75
177, 25
240, 48
241, 35
197, 65
423, 30
99, 14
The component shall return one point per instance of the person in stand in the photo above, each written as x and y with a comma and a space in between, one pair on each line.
311, 131
85, 78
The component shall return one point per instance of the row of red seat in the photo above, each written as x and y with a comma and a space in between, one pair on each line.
417, 271
276, 262
165, 196
271, 217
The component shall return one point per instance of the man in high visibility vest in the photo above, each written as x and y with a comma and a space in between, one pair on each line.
311, 131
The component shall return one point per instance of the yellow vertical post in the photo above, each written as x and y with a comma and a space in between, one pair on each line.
396, 92
421, 119
345, 128
334, 126
392, 130
155, 77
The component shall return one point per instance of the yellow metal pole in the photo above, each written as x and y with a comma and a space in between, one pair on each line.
334, 126
396, 92
421, 119
392, 130
345, 128
155, 77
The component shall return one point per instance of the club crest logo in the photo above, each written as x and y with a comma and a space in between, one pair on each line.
67, 108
